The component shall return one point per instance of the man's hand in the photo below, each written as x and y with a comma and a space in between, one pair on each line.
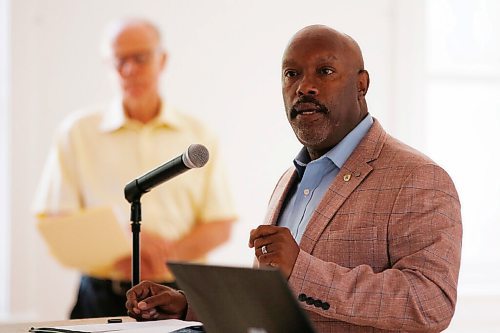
280, 249
152, 301
155, 251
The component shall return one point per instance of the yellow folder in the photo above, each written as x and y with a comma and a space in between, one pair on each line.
90, 240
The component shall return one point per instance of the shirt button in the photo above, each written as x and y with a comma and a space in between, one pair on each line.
306, 191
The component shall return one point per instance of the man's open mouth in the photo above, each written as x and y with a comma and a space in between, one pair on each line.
307, 108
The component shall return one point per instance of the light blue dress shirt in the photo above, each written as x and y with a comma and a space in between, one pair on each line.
314, 178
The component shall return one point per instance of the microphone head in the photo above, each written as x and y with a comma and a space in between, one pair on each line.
196, 156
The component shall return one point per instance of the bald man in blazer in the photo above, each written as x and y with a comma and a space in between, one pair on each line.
366, 229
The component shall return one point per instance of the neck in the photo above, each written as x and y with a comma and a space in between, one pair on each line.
317, 152
144, 110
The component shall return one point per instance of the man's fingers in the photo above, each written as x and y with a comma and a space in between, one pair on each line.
262, 231
131, 305
142, 305
265, 248
250, 239
140, 291
148, 314
145, 315
170, 301
137, 294
269, 259
153, 301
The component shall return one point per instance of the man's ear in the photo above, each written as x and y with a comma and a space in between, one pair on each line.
164, 59
363, 82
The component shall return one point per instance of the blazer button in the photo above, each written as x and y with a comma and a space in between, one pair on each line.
325, 306
302, 297
318, 303
310, 300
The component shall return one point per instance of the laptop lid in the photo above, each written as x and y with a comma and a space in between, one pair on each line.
240, 300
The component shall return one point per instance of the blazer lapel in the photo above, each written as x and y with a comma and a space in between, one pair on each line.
279, 195
352, 173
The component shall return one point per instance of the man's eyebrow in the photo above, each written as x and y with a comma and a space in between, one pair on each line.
287, 63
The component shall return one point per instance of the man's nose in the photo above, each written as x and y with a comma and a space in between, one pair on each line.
307, 87
128, 67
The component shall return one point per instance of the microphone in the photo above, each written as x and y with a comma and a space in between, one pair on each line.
195, 156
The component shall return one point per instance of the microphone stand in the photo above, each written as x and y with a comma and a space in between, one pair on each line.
135, 218
133, 194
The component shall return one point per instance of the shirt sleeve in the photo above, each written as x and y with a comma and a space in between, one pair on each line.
58, 191
217, 203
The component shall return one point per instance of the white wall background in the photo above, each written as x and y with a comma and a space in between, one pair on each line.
225, 69
4, 138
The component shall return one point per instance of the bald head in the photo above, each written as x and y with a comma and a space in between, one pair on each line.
329, 37
140, 28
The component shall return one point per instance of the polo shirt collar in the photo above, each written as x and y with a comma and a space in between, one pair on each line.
114, 117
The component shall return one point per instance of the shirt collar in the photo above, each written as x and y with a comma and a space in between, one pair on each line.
115, 117
339, 153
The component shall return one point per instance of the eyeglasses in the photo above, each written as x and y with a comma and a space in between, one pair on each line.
139, 59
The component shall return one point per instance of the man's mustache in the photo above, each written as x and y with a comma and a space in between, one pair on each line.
294, 112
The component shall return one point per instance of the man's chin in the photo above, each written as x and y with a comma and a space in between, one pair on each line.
134, 96
311, 141
135, 93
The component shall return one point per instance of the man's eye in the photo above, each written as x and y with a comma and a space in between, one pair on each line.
326, 71
142, 58
290, 73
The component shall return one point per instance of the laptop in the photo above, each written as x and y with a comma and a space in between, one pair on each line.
240, 300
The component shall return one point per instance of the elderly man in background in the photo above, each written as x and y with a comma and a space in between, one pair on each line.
99, 150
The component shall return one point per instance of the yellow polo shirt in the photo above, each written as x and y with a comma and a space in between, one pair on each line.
97, 152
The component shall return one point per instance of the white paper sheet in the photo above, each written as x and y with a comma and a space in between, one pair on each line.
159, 326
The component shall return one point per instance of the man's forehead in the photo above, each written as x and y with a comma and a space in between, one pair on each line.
315, 49
130, 41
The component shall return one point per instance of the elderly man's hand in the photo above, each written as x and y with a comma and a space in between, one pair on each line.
155, 251
274, 246
152, 301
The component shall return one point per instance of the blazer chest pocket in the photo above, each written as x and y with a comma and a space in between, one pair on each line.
349, 248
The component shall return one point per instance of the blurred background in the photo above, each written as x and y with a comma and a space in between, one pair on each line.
435, 84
